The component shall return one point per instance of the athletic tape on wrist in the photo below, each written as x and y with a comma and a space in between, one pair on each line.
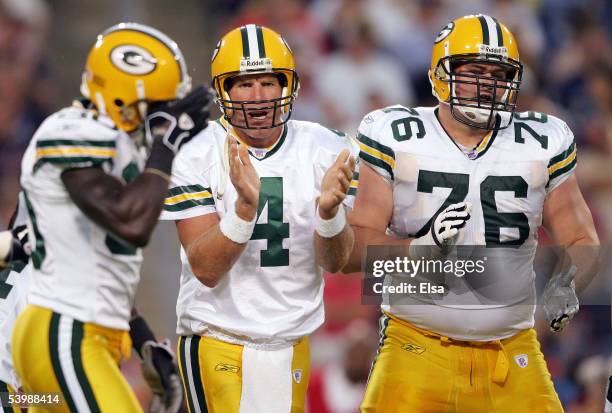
157, 172
328, 228
236, 228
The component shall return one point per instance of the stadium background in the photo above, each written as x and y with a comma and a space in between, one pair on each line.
352, 56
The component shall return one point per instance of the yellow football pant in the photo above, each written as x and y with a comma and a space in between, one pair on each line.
418, 371
54, 353
211, 371
5, 407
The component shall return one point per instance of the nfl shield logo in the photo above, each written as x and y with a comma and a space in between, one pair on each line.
258, 152
297, 375
522, 360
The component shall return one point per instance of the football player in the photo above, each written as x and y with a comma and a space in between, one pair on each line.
94, 182
158, 361
258, 201
14, 284
470, 171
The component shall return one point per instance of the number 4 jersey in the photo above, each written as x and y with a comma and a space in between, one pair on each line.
274, 292
506, 178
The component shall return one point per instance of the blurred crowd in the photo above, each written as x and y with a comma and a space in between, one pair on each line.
354, 56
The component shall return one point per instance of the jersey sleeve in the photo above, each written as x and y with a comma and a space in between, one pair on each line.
20, 216
373, 151
75, 139
189, 194
74, 153
563, 163
14, 287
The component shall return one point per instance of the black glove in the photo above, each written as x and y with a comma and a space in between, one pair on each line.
20, 233
176, 122
160, 371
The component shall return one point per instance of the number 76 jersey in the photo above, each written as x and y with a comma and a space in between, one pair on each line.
507, 178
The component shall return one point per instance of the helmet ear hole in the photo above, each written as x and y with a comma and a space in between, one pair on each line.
118, 103
228, 83
282, 80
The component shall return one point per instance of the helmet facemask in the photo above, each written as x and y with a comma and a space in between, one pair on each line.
281, 107
495, 100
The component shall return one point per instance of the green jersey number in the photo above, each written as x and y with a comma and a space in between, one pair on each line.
5, 287
493, 219
275, 230
519, 127
428, 180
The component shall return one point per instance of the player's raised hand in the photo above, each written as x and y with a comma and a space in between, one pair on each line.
245, 179
335, 185
14, 246
176, 122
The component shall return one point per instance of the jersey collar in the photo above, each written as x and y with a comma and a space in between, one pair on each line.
479, 150
268, 152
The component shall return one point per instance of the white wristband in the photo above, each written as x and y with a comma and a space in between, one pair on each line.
328, 228
236, 228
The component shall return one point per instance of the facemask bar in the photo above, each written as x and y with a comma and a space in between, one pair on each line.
281, 111
462, 108
282, 107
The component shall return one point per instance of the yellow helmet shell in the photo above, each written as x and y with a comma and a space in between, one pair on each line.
131, 64
479, 36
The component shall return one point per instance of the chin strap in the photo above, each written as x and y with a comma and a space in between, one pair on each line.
476, 115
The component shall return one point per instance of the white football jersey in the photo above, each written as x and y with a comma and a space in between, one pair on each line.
79, 268
506, 178
274, 292
14, 286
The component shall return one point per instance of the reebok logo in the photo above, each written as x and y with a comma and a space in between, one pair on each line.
227, 367
413, 348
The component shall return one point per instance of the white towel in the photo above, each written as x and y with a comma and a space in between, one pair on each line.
266, 380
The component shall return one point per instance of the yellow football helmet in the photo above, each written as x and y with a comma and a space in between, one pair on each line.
248, 50
483, 39
129, 66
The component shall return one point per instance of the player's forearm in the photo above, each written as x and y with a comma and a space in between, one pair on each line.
333, 253
140, 202
212, 256
128, 211
136, 213
365, 237
584, 253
